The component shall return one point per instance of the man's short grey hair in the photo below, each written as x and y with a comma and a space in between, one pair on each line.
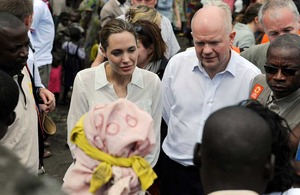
277, 4
222, 5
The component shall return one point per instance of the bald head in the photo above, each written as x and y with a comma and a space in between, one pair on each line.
236, 146
212, 35
214, 12
244, 129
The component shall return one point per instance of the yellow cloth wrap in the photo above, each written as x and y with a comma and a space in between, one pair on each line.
103, 172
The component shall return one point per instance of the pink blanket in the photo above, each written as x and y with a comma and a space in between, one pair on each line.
120, 129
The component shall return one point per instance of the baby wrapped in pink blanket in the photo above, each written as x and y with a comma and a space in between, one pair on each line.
111, 141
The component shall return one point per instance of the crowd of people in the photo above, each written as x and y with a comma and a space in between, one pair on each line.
221, 117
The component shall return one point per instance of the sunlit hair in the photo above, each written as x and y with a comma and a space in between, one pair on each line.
277, 4
115, 26
143, 12
149, 34
283, 170
19, 8
225, 7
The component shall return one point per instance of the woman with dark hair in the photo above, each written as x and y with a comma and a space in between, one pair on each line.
116, 78
151, 50
246, 28
151, 47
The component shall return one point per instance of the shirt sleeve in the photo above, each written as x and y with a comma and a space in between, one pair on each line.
34, 72
167, 95
78, 107
81, 53
156, 109
37, 15
37, 78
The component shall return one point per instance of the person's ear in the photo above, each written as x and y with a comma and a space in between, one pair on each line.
11, 118
197, 155
103, 53
256, 21
231, 36
269, 167
150, 50
28, 21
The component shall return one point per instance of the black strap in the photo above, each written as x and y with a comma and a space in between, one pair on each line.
35, 89
76, 52
20, 79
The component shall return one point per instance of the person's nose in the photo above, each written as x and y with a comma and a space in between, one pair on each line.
24, 51
279, 76
207, 49
125, 58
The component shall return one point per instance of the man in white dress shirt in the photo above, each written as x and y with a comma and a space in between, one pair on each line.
195, 84
42, 31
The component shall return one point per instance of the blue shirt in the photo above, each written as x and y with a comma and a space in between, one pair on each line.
164, 7
190, 96
42, 31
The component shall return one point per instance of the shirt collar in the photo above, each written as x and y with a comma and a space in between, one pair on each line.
286, 101
100, 76
137, 78
101, 79
230, 68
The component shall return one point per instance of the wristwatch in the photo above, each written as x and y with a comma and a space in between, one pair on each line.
37, 95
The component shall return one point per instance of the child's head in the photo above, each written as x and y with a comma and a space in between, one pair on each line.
64, 18
8, 101
75, 34
75, 16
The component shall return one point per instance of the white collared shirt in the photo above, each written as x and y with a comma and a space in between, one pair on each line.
91, 87
190, 96
33, 68
42, 31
